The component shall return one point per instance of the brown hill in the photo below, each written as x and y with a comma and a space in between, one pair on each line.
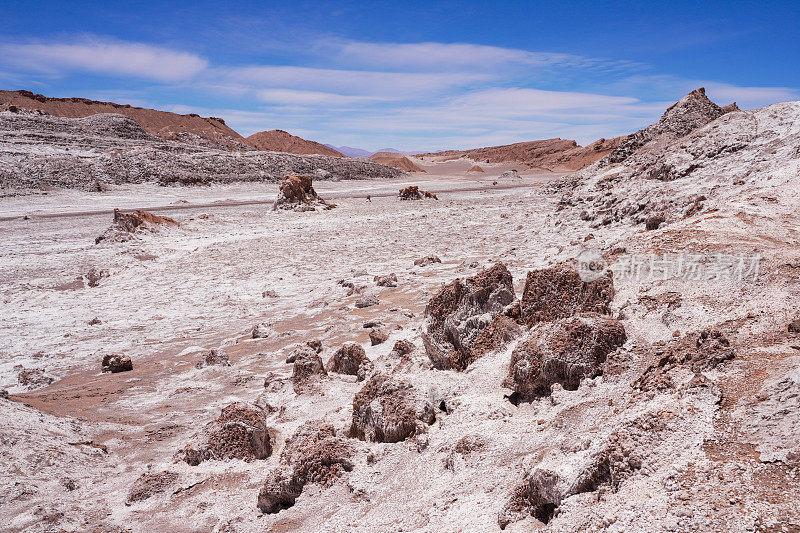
281, 141
169, 126
550, 154
392, 159
475, 169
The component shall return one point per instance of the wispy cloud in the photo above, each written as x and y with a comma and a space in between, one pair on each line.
112, 58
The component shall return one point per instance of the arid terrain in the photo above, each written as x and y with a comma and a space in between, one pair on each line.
518, 349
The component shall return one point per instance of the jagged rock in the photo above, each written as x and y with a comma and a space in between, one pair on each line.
695, 352
116, 363
307, 369
562, 352
297, 193
500, 331
95, 321
149, 484
403, 347
93, 276
33, 378
3, 394
350, 359
309, 348
213, 358
425, 261
369, 324
129, 223
314, 454
794, 326
559, 292
389, 280
456, 315
653, 222
240, 432
378, 336
691, 112
412, 192
261, 331
389, 409
367, 301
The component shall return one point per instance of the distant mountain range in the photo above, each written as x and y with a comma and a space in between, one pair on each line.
360, 152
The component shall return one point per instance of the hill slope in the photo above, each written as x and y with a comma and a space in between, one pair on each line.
396, 160
163, 124
282, 141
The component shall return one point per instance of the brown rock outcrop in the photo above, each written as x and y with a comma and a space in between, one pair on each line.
456, 315
350, 359
559, 292
240, 432
297, 193
563, 352
116, 363
389, 409
412, 192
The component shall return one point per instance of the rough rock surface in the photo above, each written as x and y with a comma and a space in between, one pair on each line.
390, 409
412, 192
150, 484
240, 432
308, 368
116, 363
559, 292
350, 359
314, 454
296, 193
42, 150
425, 261
563, 352
213, 358
693, 353
129, 223
456, 315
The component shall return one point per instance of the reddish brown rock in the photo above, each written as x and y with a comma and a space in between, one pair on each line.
129, 223
403, 347
240, 432
314, 454
350, 359
33, 378
116, 363
297, 193
213, 358
563, 352
425, 261
500, 331
412, 192
150, 484
695, 352
457, 314
307, 368
559, 292
378, 336
388, 409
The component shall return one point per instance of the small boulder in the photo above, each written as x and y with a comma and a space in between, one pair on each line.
653, 222
412, 192
403, 347
33, 378
116, 363
314, 454
93, 276
563, 352
378, 336
95, 321
389, 409
389, 280
309, 348
126, 224
213, 358
367, 301
456, 315
794, 326
308, 368
559, 292
150, 484
350, 359
425, 261
261, 331
240, 432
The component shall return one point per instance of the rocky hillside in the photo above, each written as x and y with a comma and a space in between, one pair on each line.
281, 141
550, 154
41, 150
163, 124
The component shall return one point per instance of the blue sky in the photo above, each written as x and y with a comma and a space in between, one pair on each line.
426, 75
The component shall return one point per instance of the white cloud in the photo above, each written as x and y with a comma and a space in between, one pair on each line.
114, 58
